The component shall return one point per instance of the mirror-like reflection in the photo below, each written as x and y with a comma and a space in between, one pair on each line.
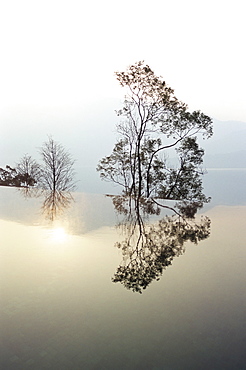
54, 203
60, 309
149, 248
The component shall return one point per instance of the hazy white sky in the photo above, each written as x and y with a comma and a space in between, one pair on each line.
60, 53
58, 60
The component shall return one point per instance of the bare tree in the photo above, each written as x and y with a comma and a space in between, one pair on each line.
57, 172
29, 170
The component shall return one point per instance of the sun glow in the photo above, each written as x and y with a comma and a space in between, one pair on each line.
58, 235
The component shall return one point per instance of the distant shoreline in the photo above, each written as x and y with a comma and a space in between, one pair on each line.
226, 169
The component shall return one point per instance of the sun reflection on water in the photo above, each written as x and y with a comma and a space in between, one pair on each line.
58, 235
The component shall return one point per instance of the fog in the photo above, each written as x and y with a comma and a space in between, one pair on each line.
59, 59
89, 132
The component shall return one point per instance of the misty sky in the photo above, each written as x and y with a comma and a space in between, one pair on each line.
58, 60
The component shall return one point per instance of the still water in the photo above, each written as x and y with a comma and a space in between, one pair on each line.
60, 308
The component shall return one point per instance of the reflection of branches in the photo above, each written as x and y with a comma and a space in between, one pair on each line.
55, 203
148, 249
30, 192
127, 205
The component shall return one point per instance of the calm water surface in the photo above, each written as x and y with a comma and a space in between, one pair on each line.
61, 310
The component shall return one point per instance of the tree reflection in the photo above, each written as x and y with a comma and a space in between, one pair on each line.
149, 248
29, 192
54, 203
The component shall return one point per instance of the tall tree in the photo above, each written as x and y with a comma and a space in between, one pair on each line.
57, 171
153, 122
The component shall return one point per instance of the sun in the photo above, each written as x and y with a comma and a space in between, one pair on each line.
58, 235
